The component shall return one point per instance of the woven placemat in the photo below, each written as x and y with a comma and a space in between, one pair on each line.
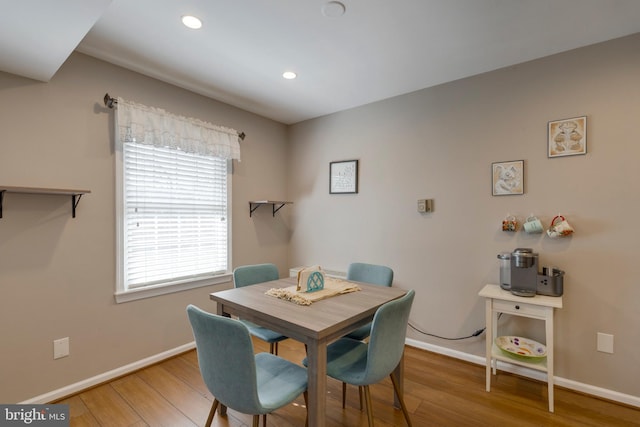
332, 287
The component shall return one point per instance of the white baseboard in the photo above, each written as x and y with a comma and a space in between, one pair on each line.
530, 373
479, 360
108, 376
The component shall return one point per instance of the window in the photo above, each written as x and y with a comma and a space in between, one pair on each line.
173, 218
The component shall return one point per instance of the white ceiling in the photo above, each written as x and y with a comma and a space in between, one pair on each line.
376, 50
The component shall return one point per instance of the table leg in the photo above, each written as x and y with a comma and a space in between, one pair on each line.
317, 387
222, 409
489, 340
549, 333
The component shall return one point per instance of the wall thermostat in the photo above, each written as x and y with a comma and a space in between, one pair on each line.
425, 205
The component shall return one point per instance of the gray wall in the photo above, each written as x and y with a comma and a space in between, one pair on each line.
57, 274
439, 143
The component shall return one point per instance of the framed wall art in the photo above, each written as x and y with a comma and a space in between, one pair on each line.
343, 177
507, 178
567, 137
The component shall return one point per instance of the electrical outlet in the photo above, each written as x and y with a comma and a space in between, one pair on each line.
61, 348
605, 343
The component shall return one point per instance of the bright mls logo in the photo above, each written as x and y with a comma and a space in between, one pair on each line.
34, 415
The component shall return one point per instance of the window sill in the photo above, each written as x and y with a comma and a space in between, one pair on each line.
154, 291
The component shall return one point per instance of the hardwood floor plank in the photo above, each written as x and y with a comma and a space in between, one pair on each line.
183, 397
80, 415
154, 409
108, 407
186, 370
439, 391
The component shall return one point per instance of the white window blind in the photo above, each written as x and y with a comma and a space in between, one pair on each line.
175, 209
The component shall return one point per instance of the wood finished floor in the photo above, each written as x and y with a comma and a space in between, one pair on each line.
439, 391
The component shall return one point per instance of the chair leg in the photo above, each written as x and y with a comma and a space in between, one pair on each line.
256, 421
367, 399
306, 405
264, 420
212, 412
344, 394
272, 347
401, 399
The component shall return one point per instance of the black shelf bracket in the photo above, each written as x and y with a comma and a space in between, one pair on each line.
275, 206
75, 199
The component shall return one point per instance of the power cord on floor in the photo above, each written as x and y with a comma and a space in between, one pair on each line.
473, 335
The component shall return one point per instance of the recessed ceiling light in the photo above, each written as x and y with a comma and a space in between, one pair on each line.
289, 75
191, 22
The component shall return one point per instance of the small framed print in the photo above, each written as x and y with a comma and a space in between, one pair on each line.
343, 177
507, 178
567, 137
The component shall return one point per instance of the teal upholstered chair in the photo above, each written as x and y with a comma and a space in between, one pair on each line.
368, 273
359, 363
251, 384
250, 275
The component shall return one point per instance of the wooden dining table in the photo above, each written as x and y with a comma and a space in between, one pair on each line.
315, 325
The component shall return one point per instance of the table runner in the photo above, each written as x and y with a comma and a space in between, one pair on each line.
332, 287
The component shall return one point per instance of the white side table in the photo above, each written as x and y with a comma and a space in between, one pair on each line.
538, 307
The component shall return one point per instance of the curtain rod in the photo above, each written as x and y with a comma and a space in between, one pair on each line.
111, 102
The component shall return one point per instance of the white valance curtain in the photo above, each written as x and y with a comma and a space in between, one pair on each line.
155, 126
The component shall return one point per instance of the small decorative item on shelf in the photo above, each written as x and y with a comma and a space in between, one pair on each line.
311, 279
510, 223
559, 227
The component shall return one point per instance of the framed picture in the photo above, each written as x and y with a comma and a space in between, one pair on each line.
507, 178
567, 137
343, 177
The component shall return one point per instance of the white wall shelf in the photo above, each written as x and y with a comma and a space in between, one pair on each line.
75, 194
257, 203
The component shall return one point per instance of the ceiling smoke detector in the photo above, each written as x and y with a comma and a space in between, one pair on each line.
333, 9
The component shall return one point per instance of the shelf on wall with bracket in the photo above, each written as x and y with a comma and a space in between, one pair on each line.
275, 205
75, 194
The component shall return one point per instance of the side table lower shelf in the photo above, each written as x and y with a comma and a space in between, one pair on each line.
539, 364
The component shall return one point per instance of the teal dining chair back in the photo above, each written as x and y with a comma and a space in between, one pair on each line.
363, 364
247, 275
252, 384
368, 273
